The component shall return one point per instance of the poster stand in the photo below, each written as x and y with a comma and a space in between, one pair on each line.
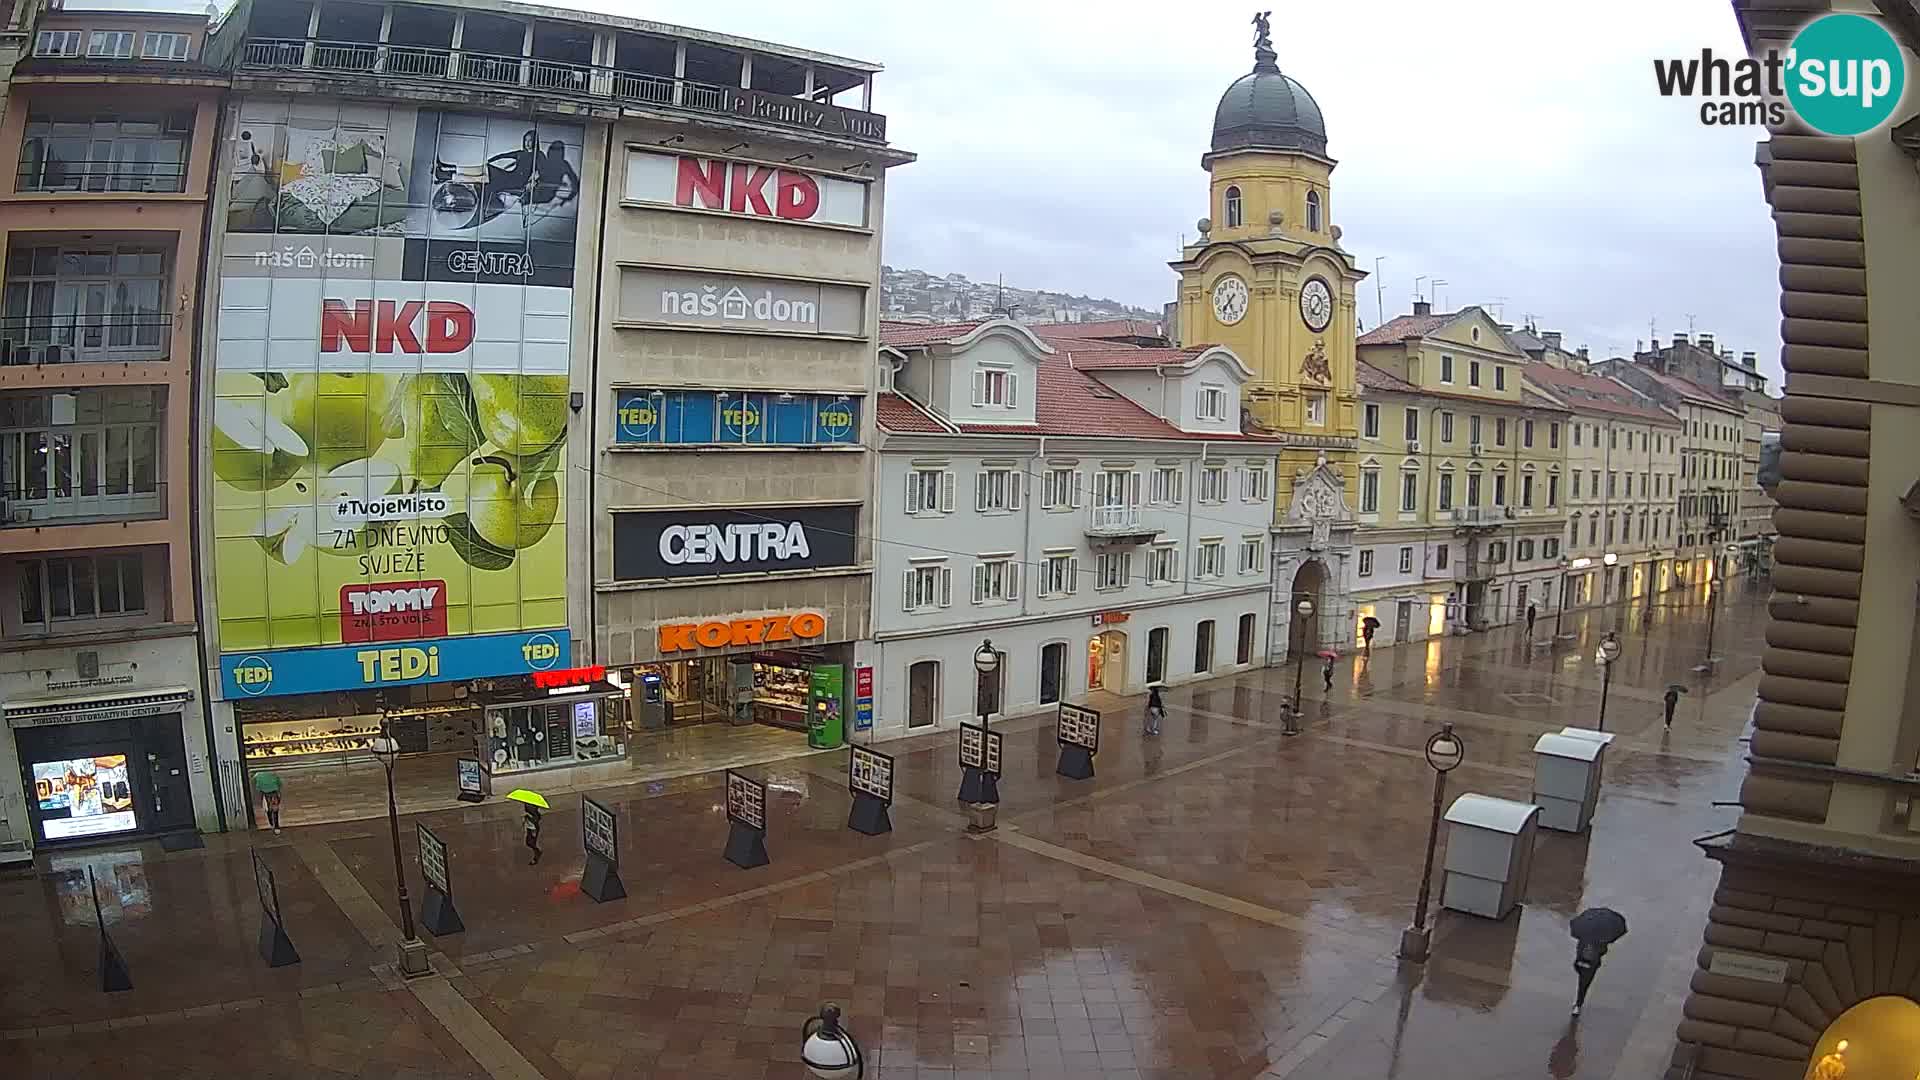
1078, 733
275, 947
438, 916
747, 822
870, 779
979, 764
600, 833
473, 781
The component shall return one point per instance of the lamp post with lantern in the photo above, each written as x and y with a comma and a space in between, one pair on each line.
413, 951
1305, 609
1444, 753
985, 661
1605, 656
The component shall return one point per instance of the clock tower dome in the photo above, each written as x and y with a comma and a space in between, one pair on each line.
1267, 278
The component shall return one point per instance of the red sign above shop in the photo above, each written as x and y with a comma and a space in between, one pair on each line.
1110, 618
393, 611
577, 676
748, 188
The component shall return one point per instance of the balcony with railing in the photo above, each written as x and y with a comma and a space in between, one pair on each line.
98, 177
85, 338
402, 43
73, 500
1119, 522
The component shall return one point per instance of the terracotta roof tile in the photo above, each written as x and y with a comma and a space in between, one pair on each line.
1372, 378
907, 334
1129, 356
1594, 393
897, 413
1095, 331
1402, 327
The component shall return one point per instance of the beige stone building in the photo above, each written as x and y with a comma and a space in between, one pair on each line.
1811, 964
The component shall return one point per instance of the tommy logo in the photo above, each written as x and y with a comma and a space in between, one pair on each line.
393, 611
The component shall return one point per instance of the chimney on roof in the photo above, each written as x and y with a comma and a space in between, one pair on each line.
1506, 328
1583, 352
1706, 341
1423, 307
1747, 361
1551, 337
1678, 339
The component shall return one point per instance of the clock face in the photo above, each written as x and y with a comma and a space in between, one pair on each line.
1230, 300
1316, 304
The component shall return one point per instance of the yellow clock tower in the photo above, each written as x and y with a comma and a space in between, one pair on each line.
1268, 279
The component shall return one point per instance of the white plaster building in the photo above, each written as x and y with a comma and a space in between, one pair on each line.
1093, 509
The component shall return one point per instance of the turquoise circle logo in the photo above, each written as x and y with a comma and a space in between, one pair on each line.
541, 652
253, 675
1846, 74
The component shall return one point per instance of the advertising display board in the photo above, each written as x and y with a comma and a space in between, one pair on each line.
870, 779
750, 540
746, 188
734, 418
391, 389
746, 822
1078, 732
600, 833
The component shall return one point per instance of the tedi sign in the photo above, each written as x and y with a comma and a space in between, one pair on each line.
747, 188
696, 543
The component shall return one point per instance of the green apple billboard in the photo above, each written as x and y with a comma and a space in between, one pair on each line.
391, 402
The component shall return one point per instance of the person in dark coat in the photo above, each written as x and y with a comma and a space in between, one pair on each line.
533, 834
1156, 710
1326, 675
1531, 612
1587, 956
1673, 702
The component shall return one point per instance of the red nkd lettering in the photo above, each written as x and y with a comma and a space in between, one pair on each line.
797, 197
702, 180
387, 326
749, 191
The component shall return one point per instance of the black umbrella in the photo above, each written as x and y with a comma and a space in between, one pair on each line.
1602, 926
1676, 688
1370, 622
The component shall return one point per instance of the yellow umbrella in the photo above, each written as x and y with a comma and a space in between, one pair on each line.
531, 798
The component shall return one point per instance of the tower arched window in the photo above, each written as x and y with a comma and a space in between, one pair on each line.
1313, 211
1233, 208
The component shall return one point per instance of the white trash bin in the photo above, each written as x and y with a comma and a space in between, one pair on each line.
1566, 778
1489, 854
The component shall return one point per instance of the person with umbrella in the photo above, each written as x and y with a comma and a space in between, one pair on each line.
1156, 709
1531, 613
535, 803
1674, 690
1326, 673
1367, 626
1593, 930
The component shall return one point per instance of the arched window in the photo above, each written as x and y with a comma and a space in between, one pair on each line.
1233, 208
1313, 211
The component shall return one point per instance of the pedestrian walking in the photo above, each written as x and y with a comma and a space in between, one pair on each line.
1673, 702
1593, 930
1156, 710
266, 784
1532, 612
533, 834
1367, 626
1326, 674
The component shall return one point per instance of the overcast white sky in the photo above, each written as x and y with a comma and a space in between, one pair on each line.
1515, 148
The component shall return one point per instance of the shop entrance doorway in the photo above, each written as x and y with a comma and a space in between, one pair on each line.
1157, 654
1107, 661
106, 778
1053, 672
923, 690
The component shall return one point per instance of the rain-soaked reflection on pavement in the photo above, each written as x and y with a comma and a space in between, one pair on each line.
1218, 901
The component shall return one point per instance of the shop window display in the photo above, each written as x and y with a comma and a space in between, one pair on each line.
87, 796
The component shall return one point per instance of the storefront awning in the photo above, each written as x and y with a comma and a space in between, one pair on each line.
87, 708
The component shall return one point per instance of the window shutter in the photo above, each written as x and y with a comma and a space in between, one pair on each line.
1013, 389
1013, 581
1079, 488
946, 586
980, 490
1179, 481
913, 492
1073, 576
1133, 488
979, 387
906, 593
979, 582
1016, 483
946, 491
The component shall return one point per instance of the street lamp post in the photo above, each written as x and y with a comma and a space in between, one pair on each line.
1445, 751
413, 951
1305, 608
828, 1050
1605, 655
985, 661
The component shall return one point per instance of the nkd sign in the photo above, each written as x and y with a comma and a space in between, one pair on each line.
750, 189
734, 302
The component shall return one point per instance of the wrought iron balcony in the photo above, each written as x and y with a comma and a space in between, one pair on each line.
441, 64
82, 500
1119, 523
85, 339
101, 176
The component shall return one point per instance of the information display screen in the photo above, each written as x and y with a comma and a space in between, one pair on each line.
88, 796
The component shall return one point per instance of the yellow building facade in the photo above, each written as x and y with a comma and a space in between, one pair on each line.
1461, 479
1267, 278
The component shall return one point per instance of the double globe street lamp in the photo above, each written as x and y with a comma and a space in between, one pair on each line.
1444, 752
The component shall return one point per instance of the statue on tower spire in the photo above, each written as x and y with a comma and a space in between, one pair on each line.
1264, 58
